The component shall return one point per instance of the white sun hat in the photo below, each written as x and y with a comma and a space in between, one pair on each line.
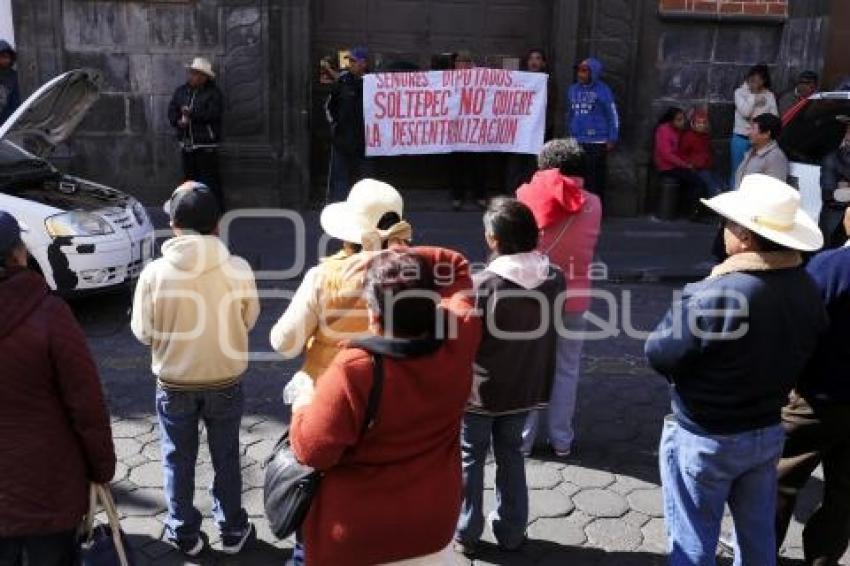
771, 209
202, 66
358, 215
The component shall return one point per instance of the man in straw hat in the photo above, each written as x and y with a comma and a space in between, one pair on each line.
195, 114
732, 347
817, 421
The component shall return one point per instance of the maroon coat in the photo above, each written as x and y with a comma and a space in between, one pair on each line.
55, 434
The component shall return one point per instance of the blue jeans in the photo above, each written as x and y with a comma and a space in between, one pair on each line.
510, 518
739, 146
712, 182
700, 473
180, 413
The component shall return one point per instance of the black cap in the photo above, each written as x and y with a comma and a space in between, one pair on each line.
807, 77
10, 232
192, 206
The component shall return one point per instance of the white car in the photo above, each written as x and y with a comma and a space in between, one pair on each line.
811, 133
81, 235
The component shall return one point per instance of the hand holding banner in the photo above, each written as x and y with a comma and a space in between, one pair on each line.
475, 110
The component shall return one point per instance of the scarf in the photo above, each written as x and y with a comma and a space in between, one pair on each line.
757, 261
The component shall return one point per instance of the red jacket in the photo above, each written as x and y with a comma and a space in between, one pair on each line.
55, 435
666, 154
396, 493
695, 148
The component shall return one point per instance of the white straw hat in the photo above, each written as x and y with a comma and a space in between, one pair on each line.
359, 214
202, 66
771, 209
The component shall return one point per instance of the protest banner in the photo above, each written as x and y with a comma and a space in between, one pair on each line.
475, 110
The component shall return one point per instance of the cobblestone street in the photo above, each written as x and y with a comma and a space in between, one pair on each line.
601, 506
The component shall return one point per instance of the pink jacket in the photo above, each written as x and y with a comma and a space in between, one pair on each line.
666, 154
570, 238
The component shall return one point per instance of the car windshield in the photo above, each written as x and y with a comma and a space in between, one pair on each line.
814, 133
18, 167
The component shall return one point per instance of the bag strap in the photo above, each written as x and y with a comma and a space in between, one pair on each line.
374, 394
100, 494
567, 223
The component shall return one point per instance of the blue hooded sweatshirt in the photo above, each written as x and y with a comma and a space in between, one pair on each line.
591, 109
10, 94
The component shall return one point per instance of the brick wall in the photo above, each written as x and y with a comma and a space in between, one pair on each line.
725, 8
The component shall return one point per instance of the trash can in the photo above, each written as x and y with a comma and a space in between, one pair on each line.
668, 198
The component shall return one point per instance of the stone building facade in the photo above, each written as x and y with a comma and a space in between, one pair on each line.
267, 53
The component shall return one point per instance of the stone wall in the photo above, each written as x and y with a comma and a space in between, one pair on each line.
142, 48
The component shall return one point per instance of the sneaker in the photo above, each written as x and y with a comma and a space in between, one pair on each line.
467, 550
232, 544
190, 548
563, 453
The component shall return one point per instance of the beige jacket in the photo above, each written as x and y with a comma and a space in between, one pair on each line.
194, 307
769, 160
749, 105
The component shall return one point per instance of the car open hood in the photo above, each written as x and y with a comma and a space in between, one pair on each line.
50, 115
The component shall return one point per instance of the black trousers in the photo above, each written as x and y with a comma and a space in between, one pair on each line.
202, 165
520, 168
57, 549
468, 176
691, 186
596, 168
816, 435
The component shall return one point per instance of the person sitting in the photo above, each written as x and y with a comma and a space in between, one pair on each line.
668, 158
517, 295
393, 492
764, 156
695, 148
835, 188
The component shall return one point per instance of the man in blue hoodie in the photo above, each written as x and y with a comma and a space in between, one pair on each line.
10, 96
593, 120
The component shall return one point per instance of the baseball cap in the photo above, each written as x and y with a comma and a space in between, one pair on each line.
359, 53
192, 206
10, 232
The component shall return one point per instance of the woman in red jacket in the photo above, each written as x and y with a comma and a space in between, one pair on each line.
394, 494
55, 436
668, 158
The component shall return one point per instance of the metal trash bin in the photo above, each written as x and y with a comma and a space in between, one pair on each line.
668, 198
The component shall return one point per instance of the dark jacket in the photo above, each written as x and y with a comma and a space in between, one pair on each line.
516, 294
55, 434
827, 378
344, 112
740, 382
835, 168
206, 105
10, 92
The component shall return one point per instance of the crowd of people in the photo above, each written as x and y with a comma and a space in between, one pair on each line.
470, 361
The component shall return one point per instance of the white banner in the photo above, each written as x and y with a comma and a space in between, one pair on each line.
463, 110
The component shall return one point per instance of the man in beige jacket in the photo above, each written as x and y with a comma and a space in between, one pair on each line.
194, 307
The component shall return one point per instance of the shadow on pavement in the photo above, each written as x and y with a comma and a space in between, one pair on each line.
547, 553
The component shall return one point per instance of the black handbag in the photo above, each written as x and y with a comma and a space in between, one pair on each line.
289, 485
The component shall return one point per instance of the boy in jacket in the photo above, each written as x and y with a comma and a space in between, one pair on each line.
516, 296
194, 307
592, 119
732, 347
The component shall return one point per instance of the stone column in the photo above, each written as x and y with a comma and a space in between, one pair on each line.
565, 18
293, 67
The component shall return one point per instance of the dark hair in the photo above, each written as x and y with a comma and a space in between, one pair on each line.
538, 50
512, 224
400, 289
768, 123
766, 245
5, 255
387, 221
670, 115
564, 154
762, 71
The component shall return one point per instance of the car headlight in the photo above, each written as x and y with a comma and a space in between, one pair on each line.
77, 223
139, 212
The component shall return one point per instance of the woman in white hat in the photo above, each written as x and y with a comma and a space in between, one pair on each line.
195, 113
732, 347
329, 308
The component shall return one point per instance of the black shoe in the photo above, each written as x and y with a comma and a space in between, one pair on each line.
189, 547
233, 544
